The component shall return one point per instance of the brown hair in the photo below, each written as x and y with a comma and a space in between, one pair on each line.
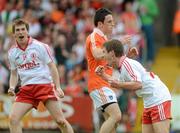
100, 15
116, 46
19, 22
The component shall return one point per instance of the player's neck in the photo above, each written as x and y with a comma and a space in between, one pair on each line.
23, 44
101, 29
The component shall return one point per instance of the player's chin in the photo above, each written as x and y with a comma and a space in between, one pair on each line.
21, 40
110, 31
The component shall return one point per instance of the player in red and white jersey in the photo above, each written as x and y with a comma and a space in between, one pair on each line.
133, 76
104, 98
31, 62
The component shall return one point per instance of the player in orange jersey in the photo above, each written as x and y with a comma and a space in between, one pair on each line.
102, 95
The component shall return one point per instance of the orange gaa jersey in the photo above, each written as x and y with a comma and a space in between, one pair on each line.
95, 39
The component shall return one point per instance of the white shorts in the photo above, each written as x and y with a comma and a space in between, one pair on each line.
103, 96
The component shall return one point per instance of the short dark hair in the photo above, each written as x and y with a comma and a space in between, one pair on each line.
100, 15
116, 46
19, 22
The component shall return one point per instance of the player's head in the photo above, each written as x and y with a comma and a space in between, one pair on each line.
20, 30
103, 19
127, 5
113, 51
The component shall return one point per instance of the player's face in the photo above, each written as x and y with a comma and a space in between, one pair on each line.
110, 58
108, 24
21, 34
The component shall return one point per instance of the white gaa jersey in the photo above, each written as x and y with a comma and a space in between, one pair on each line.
31, 62
153, 91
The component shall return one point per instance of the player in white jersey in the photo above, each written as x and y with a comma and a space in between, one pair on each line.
31, 62
156, 96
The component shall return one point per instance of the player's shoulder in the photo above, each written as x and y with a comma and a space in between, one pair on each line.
93, 37
129, 62
39, 44
88, 38
133, 63
12, 49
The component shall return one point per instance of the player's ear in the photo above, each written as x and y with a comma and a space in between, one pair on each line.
113, 54
100, 24
110, 53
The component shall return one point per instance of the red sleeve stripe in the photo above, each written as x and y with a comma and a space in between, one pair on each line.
130, 70
49, 52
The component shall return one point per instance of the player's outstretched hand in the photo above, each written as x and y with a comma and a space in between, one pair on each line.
11, 92
60, 92
126, 40
133, 52
99, 70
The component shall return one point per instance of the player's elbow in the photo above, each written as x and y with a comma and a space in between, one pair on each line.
98, 53
98, 57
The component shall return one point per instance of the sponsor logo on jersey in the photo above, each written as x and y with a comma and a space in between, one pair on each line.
28, 65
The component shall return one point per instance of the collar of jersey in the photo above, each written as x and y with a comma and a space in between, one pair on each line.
121, 61
28, 43
99, 32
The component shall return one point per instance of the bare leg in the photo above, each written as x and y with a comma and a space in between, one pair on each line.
106, 116
18, 111
114, 117
56, 112
147, 128
162, 126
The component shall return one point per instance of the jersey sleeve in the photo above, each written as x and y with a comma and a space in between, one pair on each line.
94, 42
130, 73
11, 61
46, 54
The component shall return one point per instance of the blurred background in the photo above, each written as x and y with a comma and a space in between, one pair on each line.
64, 26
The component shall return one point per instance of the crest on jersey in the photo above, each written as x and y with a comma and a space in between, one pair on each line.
33, 56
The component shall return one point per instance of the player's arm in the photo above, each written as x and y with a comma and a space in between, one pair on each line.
95, 47
133, 85
132, 51
55, 77
130, 75
100, 70
47, 58
13, 82
98, 53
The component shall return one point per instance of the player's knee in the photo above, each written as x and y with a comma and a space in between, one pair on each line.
13, 120
117, 118
117, 124
61, 121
